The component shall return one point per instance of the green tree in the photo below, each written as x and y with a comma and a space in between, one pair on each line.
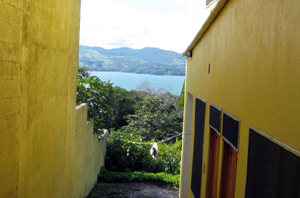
122, 104
156, 116
97, 95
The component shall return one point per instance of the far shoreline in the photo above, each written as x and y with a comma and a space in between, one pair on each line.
130, 81
133, 73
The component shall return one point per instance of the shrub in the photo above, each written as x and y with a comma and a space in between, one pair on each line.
160, 178
124, 156
170, 153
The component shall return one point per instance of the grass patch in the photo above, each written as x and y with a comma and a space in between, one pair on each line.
159, 178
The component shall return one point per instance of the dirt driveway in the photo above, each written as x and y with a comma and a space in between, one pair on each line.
132, 190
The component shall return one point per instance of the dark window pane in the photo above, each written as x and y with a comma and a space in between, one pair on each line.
198, 148
231, 130
289, 175
215, 118
272, 171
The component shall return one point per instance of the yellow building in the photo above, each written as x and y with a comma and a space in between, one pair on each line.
46, 147
241, 118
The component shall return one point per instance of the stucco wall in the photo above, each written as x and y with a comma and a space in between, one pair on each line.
253, 51
10, 121
89, 156
38, 73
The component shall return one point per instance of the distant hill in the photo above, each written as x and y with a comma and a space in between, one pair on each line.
143, 61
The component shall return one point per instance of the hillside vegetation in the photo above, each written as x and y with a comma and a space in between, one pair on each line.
135, 120
142, 61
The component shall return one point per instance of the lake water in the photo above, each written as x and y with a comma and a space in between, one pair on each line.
130, 81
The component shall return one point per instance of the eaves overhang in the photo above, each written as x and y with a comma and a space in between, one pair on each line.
210, 18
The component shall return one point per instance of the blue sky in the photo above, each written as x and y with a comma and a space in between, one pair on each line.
136, 24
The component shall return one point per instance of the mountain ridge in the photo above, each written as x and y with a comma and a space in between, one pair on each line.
148, 60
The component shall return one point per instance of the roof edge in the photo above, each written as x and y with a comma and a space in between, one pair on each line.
213, 14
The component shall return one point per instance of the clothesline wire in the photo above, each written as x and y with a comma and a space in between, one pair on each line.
139, 143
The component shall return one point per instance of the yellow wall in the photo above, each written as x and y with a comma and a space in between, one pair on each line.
38, 73
10, 91
88, 154
253, 51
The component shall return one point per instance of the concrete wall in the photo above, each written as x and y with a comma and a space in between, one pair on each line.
10, 92
38, 73
253, 51
89, 153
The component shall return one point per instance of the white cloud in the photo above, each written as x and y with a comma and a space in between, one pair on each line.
112, 24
